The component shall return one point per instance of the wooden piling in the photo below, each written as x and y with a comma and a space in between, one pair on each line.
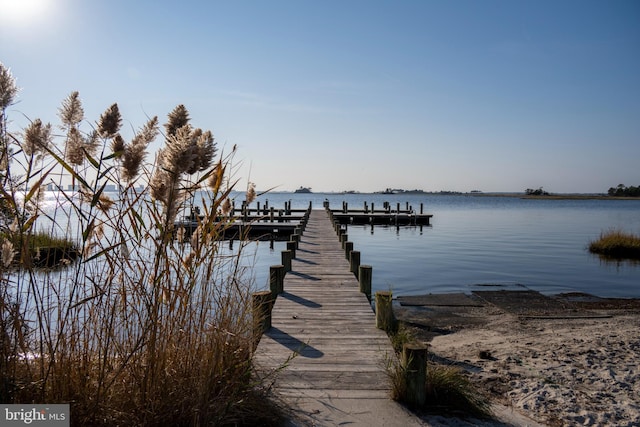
291, 246
262, 303
365, 274
414, 362
348, 247
385, 319
354, 262
276, 279
287, 256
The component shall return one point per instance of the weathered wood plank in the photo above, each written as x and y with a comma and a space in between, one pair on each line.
323, 333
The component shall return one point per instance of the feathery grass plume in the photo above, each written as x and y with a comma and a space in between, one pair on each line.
226, 206
74, 143
206, 149
180, 154
118, 145
110, 122
217, 177
71, 112
105, 203
159, 184
37, 138
251, 193
8, 88
135, 152
177, 118
7, 253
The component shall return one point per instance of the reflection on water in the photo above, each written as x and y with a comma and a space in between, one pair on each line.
541, 244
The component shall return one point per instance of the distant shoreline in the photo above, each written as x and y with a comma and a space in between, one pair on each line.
568, 196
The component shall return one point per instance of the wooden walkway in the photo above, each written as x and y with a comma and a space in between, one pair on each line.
324, 338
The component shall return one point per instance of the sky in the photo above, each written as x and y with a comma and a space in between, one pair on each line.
355, 95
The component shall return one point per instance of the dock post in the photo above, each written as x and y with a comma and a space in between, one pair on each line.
421, 208
291, 246
348, 247
343, 238
262, 303
276, 279
384, 311
354, 262
295, 237
286, 260
271, 214
364, 279
414, 362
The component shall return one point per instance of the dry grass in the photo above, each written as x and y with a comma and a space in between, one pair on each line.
617, 244
448, 388
143, 329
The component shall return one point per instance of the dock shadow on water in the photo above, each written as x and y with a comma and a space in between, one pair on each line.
295, 345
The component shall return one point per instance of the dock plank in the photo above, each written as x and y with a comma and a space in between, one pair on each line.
324, 350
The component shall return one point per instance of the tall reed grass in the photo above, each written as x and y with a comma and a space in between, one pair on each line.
145, 328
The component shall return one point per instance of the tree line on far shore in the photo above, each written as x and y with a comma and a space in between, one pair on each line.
623, 191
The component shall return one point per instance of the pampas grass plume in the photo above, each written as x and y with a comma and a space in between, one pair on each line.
110, 122
7, 253
37, 137
71, 112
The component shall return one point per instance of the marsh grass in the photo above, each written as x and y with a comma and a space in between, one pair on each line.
449, 390
145, 328
616, 244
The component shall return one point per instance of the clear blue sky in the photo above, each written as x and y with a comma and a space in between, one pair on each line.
356, 95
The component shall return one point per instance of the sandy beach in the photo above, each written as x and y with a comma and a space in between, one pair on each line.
577, 367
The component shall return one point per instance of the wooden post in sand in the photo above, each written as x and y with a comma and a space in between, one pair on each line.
384, 311
414, 362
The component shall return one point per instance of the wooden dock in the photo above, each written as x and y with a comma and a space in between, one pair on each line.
323, 351
388, 215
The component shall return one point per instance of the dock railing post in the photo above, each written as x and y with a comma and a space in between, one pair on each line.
354, 262
276, 279
286, 260
385, 319
262, 304
414, 362
291, 246
364, 279
348, 247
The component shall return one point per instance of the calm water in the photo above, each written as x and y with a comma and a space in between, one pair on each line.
483, 240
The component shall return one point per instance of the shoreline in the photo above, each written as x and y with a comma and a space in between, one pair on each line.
552, 370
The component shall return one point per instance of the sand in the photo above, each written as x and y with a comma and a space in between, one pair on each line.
581, 371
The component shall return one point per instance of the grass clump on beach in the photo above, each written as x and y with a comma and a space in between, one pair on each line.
148, 327
617, 244
448, 389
